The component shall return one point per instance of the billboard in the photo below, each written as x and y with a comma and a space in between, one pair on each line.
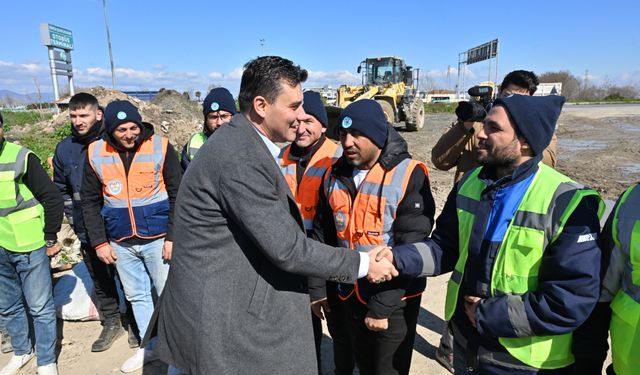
54, 36
482, 52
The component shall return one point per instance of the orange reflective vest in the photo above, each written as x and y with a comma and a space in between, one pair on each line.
306, 194
367, 221
135, 204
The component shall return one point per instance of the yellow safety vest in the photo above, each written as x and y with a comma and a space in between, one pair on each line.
625, 307
195, 142
537, 222
21, 215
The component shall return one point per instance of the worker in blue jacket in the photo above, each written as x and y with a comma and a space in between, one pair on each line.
520, 238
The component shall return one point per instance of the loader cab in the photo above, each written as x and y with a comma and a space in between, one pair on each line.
383, 70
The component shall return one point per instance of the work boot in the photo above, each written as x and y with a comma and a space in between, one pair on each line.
110, 332
16, 363
134, 341
445, 358
5, 340
50, 369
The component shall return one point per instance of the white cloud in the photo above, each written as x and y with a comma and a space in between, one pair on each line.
216, 76
318, 78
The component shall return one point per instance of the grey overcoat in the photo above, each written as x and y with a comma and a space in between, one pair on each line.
236, 300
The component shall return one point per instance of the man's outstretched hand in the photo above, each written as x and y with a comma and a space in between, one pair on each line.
380, 267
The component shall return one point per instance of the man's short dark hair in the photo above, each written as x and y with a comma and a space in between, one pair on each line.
82, 100
521, 78
262, 77
1, 120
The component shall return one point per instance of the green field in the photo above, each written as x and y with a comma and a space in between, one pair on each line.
43, 145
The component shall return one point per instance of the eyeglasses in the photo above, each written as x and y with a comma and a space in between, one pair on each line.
219, 116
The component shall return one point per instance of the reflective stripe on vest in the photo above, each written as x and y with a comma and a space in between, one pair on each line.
195, 142
539, 219
21, 215
367, 221
625, 318
306, 194
136, 204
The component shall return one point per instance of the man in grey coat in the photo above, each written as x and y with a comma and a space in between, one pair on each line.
236, 298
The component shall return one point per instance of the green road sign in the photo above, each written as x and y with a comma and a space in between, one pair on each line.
55, 36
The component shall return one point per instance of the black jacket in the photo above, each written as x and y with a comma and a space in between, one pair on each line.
92, 197
414, 221
68, 171
43, 189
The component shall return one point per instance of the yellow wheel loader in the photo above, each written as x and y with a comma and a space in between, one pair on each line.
390, 82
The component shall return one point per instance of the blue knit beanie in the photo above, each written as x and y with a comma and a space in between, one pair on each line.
118, 112
218, 99
534, 116
312, 105
367, 117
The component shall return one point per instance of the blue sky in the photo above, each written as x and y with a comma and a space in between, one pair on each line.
190, 45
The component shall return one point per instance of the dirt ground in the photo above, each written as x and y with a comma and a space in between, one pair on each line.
597, 145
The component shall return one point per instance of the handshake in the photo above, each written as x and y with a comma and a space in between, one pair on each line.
381, 266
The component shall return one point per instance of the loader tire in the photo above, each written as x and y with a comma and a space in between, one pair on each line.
415, 115
387, 108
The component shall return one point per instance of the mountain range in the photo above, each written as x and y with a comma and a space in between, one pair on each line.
8, 97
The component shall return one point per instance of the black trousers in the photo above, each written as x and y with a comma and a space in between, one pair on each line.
382, 353
343, 354
104, 282
317, 338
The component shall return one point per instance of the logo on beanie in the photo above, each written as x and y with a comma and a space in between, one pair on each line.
122, 115
215, 106
346, 122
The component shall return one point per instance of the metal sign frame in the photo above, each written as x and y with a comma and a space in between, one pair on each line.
485, 51
59, 43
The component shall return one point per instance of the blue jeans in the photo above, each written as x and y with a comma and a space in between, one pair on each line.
140, 267
25, 278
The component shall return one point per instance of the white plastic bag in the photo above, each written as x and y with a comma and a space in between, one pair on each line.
74, 296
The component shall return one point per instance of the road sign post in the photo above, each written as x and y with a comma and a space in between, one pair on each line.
486, 51
59, 42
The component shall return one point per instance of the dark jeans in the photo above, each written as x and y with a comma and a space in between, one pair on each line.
383, 353
104, 282
460, 366
446, 341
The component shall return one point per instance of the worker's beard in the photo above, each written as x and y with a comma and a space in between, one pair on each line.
501, 157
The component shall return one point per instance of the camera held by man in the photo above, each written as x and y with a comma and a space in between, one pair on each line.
477, 107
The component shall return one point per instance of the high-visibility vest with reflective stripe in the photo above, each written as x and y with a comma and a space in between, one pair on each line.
136, 204
306, 194
367, 221
539, 219
195, 142
625, 307
21, 215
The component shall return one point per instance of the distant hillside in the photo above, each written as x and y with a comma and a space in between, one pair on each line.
9, 98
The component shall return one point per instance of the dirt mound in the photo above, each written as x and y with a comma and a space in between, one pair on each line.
171, 114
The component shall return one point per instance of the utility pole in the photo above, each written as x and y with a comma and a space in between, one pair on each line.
106, 22
586, 78
262, 40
